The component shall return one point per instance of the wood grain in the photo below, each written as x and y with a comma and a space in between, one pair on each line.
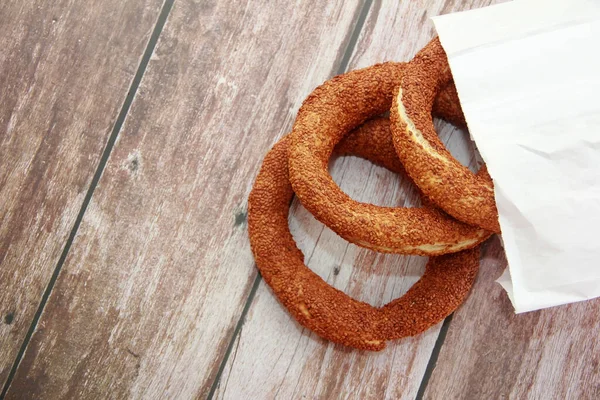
65, 68
161, 268
274, 357
492, 353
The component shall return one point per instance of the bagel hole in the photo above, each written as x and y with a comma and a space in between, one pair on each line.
459, 144
369, 183
363, 274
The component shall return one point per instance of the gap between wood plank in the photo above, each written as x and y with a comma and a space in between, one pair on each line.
360, 23
435, 353
160, 23
345, 61
236, 332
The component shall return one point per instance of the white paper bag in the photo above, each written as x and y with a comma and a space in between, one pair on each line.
528, 78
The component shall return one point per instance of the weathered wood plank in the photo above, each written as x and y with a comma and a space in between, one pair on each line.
161, 267
274, 357
65, 69
491, 353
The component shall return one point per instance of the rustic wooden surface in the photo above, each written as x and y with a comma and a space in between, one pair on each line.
293, 362
160, 270
491, 353
65, 68
159, 296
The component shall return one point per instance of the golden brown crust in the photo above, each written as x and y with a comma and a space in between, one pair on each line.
323, 309
326, 116
447, 106
449, 184
372, 141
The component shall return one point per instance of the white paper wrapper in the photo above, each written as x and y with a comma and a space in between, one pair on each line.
528, 78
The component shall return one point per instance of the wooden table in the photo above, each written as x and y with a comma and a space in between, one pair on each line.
130, 136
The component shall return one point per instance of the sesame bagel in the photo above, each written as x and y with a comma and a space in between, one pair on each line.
466, 196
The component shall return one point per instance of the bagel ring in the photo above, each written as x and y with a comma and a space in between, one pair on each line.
466, 196
326, 116
315, 304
